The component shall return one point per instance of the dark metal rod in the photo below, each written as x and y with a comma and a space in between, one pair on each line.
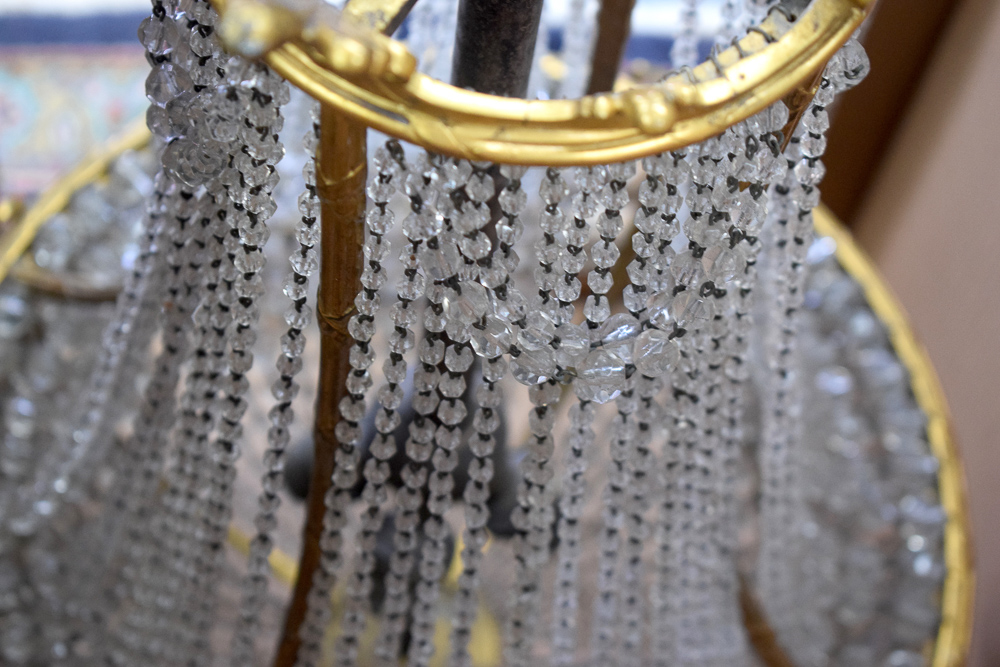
494, 49
495, 44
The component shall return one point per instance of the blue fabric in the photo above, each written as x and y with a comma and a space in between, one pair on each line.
34, 29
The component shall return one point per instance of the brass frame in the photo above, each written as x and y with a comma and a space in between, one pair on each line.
337, 60
952, 645
15, 241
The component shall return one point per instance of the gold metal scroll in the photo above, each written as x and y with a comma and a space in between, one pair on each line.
342, 63
15, 239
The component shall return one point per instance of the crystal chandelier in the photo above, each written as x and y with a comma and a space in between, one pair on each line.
598, 381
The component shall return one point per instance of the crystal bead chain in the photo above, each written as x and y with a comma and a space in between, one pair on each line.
539, 346
722, 258
487, 336
166, 82
337, 500
222, 101
616, 337
476, 494
453, 358
125, 338
145, 559
648, 415
200, 410
673, 174
607, 614
655, 354
537, 354
173, 528
684, 52
152, 428
547, 249
578, 46
604, 348
199, 413
125, 346
748, 216
439, 258
699, 636
572, 234
180, 511
720, 633
571, 502
533, 518
409, 289
151, 261
547, 346
724, 635
587, 204
732, 15
250, 178
376, 471
453, 305
781, 523
665, 594
781, 422
573, 344
691, 308
281, 415
379, 222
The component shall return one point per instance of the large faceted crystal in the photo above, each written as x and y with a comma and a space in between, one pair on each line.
601, 377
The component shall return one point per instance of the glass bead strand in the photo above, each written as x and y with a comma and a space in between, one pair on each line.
438, 258
282, 414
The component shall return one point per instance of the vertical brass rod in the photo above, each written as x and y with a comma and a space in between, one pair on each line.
341, 166
613, 25
762, 636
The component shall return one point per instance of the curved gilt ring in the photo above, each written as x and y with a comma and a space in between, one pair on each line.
341, 62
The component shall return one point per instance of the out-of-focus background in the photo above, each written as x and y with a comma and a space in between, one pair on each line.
929, 213
913, 169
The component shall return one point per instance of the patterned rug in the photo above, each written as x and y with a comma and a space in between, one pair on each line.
66, 85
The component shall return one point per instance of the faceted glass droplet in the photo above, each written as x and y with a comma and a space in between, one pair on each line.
691, 311
601, 377
533, 366
469, 304
655, 353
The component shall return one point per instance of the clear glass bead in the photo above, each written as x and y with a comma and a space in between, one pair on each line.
655, 353
600, 378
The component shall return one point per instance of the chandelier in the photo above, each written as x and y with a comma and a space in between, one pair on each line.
594, 378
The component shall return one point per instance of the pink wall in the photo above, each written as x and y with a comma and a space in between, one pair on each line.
932, 224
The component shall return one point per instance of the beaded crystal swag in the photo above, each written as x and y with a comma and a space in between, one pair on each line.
669, 450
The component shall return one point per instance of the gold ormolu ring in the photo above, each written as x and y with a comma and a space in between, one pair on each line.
336, 59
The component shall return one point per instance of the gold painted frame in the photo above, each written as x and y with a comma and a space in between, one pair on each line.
373, 79
952, 644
